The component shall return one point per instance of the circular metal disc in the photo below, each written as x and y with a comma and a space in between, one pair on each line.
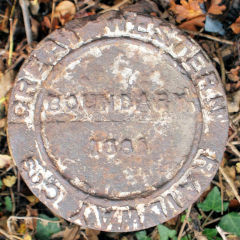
118, 123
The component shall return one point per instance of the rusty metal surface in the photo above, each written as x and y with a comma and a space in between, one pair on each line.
117, 122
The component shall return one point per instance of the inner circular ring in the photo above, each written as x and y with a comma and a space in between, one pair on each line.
137, 102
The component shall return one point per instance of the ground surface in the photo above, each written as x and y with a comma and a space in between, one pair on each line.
215, 25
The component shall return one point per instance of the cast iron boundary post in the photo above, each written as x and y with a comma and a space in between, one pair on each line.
118, 122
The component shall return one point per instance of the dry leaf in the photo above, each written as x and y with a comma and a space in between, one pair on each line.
186, 10
32, 199
234, 203
4, 22
234, 102
35, 28
231, 172
68, 233
3, 223
3, 123
5, 160
236, 26
22, 229
34, 7
92, 234
27, 237
31, 224
229, 192
173, 221
234, 74
46, 22
65, 11
9, 181
238, 167
193, 24
215, 8
6, 82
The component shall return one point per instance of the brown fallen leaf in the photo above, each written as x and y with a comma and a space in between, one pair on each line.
228, 191
215, 8
65, 11
234, 74
32, 199
234, 102
231, 172
236, 26
193, 24
22, 228
69, 233
35, 28
3, 223
9, 181
92, 234
31, 212
3, 123
186, 9
6, 82
234, 203
72, 233
5, 161
173, 221
27, 237
4, 22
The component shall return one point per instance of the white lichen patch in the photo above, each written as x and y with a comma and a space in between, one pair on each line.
95, 51
155, 77
73, 64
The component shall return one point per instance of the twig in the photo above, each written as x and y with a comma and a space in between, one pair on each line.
221, 232
212, 221
184, 223
209, 215
115, 7
84, 235
234, 160
19, 59
85, 4
202, 213
3, 16
13, 201
31, 218
236, 119
229, 181
221, 188
234, 149
18, 186
12, 30
26, 19
222, 66
216, 183
209, 37
4, 233
235, 132
5, 19
27, 219
7, 170
52, 14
